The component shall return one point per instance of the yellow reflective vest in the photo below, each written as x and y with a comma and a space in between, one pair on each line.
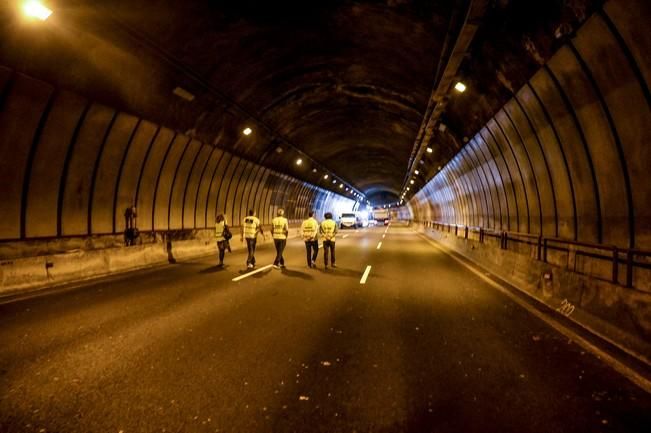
280, 227
251, 227
219, 231
329, 230
310, 229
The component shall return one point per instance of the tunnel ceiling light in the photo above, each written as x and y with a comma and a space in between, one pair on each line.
299, 161
407, 188
334, 180
411, 181
416, 172
341, 185
314, 170
325, 176
460, 87
183, 94
36, 9
429, 150
248, 131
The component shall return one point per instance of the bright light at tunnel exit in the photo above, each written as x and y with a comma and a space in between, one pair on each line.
36, 9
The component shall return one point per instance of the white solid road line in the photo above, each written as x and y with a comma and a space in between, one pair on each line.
365, 276
241, 277
615, 363
379, 245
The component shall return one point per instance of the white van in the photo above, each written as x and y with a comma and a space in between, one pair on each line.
348, 221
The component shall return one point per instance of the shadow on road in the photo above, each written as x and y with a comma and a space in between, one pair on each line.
341, 272
213, 269
297, 274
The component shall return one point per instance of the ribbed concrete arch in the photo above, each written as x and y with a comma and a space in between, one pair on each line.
70, 167
568, 156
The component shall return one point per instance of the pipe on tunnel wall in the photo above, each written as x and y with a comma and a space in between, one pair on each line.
568, 156
70, 167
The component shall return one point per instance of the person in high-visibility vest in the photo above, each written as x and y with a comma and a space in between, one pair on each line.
328, 232
250, 228
310, 233
222, 235
280, 229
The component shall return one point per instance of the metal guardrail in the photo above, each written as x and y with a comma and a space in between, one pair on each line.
543, 245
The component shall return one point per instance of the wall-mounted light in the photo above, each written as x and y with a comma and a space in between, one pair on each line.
460, 87
429, 150
248, 131
36, 9
299, 161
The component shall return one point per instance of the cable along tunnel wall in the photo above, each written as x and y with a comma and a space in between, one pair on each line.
69, 167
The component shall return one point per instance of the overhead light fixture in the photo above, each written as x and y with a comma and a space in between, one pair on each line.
341, 185
248, 131
407, 188
411, 181
429, 150
314, 170
299, 161
334, 180
36, 9
183, 94
460, 87
416, 172
325, 176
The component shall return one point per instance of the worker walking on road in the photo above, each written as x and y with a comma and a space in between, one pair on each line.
280, 229
222, 236
328, 232
310, 233
250, 229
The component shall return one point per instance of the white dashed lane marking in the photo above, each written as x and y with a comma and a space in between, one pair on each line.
379, 245
365, 276
241, 277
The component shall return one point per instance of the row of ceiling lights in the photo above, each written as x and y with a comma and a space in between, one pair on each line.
459, 87
37, 10
299, 161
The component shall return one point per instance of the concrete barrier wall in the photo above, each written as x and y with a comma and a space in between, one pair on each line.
568, 156
618, 314
70, 167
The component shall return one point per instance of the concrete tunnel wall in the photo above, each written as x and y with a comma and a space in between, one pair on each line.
69, 167
568, 156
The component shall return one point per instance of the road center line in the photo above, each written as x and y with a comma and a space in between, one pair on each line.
241, 277
365, 276
379, 245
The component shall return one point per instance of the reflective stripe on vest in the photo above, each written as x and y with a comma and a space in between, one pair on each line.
219, 230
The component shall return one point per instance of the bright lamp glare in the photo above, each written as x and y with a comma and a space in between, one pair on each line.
247, 131
299, 161
460, 87
429, 150
416, 172
341, 185
411, 181
36, 9
325, 176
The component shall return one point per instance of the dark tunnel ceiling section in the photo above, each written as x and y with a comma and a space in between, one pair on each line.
347, 82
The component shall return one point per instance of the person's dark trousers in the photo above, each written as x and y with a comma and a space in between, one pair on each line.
250, 246
328, 246
221, 246
280, 247
312, 249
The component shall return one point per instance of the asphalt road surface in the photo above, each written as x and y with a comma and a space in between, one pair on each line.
422, 346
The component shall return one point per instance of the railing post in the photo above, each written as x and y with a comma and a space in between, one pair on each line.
545, 250
629, 268
539, 252
481, 235
456, 230
466, 233
615, 265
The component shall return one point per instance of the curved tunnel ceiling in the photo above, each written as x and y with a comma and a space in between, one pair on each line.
345, 82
